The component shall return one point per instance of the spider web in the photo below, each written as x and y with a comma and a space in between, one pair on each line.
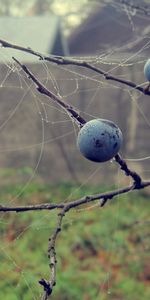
38, 141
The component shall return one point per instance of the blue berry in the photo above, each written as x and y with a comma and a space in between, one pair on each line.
147, 70
99, 140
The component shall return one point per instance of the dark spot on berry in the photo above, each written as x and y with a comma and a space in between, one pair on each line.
115, 145
98, 144
117, 133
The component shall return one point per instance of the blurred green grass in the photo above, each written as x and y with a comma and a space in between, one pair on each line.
102, 253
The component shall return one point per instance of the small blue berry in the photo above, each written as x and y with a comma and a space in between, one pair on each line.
99, 140
147, 70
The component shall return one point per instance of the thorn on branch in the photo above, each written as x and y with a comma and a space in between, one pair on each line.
104, 200
40, 89
46, 286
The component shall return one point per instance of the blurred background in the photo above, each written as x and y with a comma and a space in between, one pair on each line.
102, 254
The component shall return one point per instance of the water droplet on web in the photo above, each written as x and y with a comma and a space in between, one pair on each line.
112, 160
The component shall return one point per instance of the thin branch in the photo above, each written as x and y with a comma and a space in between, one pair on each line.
52, 253
76, 203
123, 165
60, 60
72, 112
18, 209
